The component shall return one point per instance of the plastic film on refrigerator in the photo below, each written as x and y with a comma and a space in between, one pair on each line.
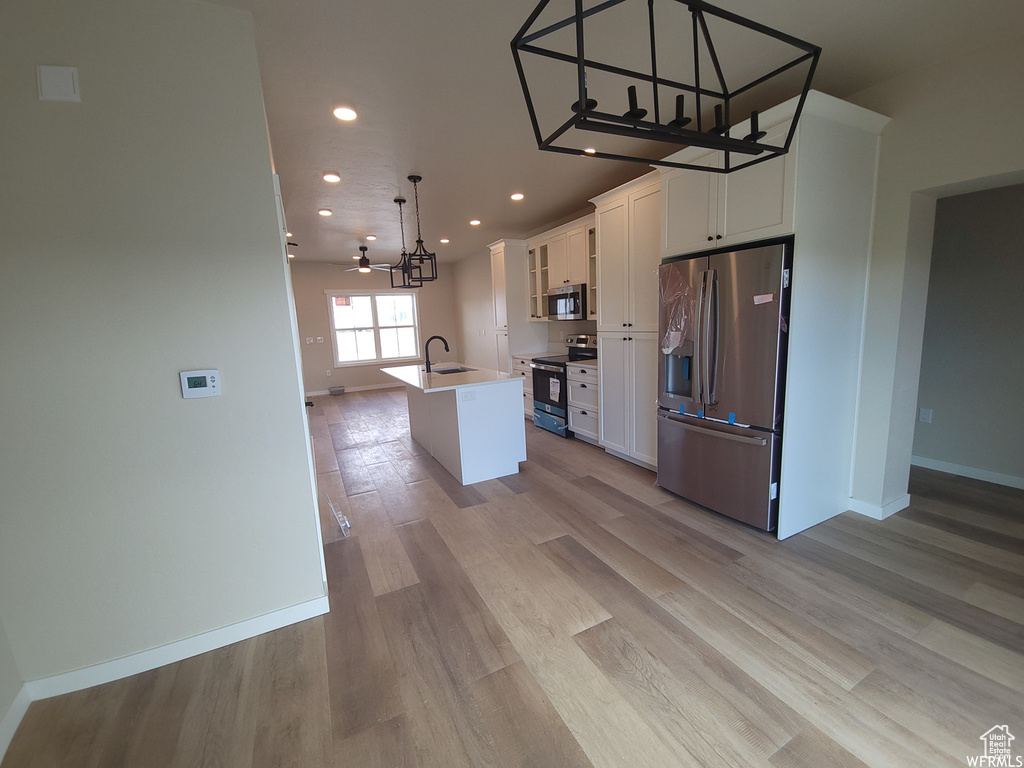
678, 302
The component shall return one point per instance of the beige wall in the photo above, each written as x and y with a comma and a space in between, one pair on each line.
956, 126
140, 239
10, 684
435, 302
971, 363
475, 310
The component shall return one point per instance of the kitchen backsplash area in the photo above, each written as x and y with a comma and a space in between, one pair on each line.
558, 330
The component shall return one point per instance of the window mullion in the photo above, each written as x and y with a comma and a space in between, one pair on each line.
376, 328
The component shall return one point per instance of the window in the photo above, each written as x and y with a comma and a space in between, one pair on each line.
370, 327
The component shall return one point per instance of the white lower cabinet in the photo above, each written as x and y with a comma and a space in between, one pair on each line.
521, 368
584, 400
628, 395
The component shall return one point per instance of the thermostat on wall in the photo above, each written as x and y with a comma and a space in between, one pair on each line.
200, 383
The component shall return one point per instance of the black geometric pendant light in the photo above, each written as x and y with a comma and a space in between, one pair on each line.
406, 274
421, 258
639, 80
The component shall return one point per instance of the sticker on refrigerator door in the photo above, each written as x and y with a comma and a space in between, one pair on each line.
774, 492
556, 389
732, 417
764, 298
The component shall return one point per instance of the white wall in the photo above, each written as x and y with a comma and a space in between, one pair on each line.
437, 315
955, 126
140, 239
972, 365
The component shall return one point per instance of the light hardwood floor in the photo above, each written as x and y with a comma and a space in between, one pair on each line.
576, 615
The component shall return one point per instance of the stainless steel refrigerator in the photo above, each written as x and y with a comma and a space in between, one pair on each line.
721, 372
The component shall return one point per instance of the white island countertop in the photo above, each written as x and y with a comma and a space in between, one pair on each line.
417, 376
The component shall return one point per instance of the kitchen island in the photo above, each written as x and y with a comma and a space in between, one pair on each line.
470, 420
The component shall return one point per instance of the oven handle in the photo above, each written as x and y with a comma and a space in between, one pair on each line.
552, 368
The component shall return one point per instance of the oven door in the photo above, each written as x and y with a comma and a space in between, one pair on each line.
549, 388
550, 399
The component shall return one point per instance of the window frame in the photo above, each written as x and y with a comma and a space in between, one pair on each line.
373, 294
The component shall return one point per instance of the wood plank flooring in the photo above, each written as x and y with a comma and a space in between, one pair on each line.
575, 615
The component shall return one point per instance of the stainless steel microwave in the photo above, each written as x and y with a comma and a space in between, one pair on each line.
567, 302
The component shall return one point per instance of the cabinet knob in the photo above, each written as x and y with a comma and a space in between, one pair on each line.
718, 237
583, 413
710, 238
630, 325
630, 338
623, 325
583, 386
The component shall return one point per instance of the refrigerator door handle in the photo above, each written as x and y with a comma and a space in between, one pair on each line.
715, 433
695, 362
711, 338
707, 303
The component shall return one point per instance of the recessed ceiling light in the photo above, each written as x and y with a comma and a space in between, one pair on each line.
287, 234
291, 255
325, 211
445, 241
518, 195
590, 151
356, 258
332, 177
345, 113
371, 238
475, 223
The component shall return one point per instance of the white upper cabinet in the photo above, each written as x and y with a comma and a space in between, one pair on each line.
707, 210
558, 257
576, 256
628, 254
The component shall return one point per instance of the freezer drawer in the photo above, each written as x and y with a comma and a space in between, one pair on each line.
731, 470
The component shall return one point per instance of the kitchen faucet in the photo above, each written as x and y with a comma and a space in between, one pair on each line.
426, 349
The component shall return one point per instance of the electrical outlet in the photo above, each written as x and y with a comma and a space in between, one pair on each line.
319, 339
309, 339
925, 416
328, 371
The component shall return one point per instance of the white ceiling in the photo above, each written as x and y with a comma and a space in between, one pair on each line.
437, 95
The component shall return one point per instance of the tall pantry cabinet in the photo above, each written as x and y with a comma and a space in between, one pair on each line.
628, 221
510, 293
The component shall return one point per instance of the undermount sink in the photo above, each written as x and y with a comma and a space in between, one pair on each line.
459, 369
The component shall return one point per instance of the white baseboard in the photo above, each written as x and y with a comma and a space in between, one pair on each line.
877, 512
363, 388
630, 459
12, 719
108, 671
1011, 481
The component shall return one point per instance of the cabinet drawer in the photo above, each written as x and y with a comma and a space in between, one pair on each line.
583, 395
583, 421
581, 372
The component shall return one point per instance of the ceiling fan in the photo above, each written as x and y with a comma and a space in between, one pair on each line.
364, 263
